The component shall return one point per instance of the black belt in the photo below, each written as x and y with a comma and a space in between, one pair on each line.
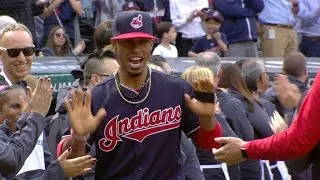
280, 25
312, 38
193, 40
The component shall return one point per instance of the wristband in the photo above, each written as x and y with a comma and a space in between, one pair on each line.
244, 153
204, 97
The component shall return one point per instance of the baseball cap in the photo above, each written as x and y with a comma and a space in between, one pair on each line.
214, 14
129, 6
77, 73
132, 24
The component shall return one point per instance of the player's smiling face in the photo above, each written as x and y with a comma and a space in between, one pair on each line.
133, 54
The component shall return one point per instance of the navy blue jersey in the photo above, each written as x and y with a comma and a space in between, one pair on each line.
204, 44
142, 141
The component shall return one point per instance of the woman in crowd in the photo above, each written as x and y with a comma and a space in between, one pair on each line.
66, 11
232, 80
59, 45
256, 78
255, 111
102, 36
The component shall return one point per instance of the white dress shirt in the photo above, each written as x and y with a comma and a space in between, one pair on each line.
309, 18
5, 77
180, 10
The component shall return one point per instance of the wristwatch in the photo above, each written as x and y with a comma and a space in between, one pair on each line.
244, 153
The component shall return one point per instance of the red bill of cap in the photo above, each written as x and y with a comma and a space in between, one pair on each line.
133, 35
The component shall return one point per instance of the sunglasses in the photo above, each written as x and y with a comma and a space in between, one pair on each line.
15, 52
59, 34
103, 75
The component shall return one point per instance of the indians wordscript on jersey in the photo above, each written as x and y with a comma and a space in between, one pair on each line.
140, 126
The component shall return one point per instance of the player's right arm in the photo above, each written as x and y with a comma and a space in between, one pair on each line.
83, 123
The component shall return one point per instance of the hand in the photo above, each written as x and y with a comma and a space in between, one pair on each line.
214, 49
41, 2
217, 35
82, 121
289, 94
202, 15
295, 6
229, 153
195, 13
56, 3
200, 108
24, 100
277, 123
217, 108
40, 98
77, 166
80, 47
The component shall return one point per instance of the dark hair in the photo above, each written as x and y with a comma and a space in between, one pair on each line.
108, 54
99, 54
240, 62
295, 64
157, 60
65, 50
163, 27
231, 78
102, 35
94, 63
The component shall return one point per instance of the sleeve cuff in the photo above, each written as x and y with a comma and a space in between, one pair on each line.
250, 151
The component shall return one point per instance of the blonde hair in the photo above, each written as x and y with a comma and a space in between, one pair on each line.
5, 21
13, 27
32, 81
195, 73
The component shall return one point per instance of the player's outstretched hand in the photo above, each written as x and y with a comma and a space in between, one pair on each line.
82, 121
39, 100
77, 166
229, 153
201, 108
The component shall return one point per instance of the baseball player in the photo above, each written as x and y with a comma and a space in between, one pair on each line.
139, 112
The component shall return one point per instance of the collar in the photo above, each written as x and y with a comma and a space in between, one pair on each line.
5, 77
302, 86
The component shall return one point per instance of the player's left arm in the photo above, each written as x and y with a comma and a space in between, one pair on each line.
203, 106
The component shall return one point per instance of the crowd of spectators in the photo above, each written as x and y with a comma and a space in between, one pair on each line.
264, 28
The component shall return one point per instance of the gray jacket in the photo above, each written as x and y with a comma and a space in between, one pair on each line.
190, 162
16, 149
237, 117
34, 174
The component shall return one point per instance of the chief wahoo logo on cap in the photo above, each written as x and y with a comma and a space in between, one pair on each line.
136, 22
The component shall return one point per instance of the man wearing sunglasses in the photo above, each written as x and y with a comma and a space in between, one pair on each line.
16, 53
